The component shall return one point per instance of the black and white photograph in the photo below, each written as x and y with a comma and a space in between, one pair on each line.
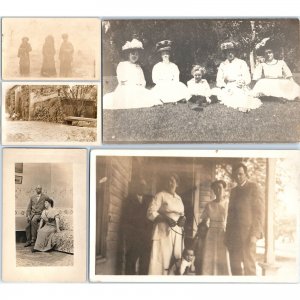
51, 48
47, 114
44, 215
167, 215
201, 80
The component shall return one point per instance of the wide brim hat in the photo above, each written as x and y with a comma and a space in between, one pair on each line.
133, 45
165, 45
228, 45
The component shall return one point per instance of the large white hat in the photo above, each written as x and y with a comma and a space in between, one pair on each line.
134, 44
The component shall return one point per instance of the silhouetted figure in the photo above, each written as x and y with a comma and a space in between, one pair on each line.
48, 67
23, 54
66, 57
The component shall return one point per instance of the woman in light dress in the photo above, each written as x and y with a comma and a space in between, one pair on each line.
215, 260
49, 224
166, 211
274, 78
233, 78
131, 91
165, 75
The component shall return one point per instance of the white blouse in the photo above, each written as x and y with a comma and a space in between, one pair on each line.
277, 69
232, 71
200, 88
130, 74
165, 72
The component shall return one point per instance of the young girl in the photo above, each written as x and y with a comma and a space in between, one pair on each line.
198, 87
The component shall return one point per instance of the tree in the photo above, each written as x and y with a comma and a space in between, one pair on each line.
79, 94
198, 41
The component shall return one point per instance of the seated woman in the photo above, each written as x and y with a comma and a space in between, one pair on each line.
198, 87
274, 78
166, 211
215, 260
233, 78
165, 75
131, 91
49, 224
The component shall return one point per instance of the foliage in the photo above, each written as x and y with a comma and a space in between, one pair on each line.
198, 41
80, 94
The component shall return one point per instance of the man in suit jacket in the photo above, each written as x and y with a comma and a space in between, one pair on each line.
137, 229
244, 223
33, 214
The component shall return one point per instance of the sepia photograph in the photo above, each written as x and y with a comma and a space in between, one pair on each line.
47, 114
51, 48
201, 80
44, 208
201, 216
42, 233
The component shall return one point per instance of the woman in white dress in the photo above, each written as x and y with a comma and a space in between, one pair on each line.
165, 75
233, 78
131, 91
274, 78
215, 255
166, 211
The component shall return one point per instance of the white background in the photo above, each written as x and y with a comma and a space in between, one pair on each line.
151, 8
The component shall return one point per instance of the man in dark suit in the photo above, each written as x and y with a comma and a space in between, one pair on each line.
137, 229
244, 223
33, 214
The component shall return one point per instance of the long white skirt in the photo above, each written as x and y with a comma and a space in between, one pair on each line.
170, 91
281, 88
164, 250
237, 98
129, 96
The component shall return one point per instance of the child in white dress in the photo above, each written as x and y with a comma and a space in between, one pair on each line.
198, 87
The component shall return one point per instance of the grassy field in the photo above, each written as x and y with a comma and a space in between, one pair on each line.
273, 122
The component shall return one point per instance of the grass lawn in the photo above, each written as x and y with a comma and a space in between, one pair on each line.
273, 122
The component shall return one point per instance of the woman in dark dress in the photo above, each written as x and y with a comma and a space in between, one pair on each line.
23, 54
48, 67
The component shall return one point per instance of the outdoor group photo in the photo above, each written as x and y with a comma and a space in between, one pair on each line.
195, 80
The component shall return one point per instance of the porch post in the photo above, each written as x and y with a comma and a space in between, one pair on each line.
269, 266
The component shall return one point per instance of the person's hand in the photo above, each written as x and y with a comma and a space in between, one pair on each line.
240, 83
28, 219
171, 222
181, 221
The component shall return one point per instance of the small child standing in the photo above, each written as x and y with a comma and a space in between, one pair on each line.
198, 87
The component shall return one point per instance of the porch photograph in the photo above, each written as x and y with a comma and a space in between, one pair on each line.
203, 215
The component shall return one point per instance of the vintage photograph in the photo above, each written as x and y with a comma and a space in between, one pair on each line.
42, 233
44, 215
227, 216
201, 80
51, 48
50, 114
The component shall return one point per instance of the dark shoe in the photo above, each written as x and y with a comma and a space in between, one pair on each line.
27, 244
33, 250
